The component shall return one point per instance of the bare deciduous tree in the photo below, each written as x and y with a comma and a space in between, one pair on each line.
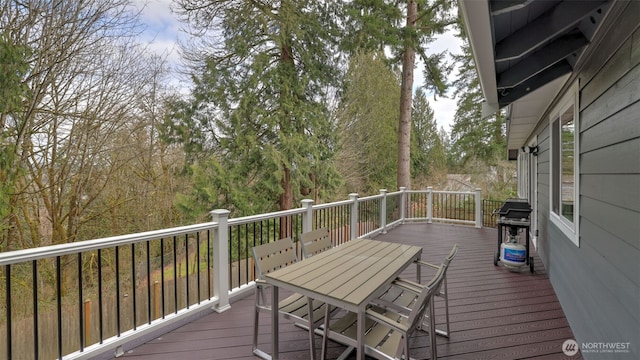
87, 82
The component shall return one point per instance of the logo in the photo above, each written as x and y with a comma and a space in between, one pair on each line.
570, 347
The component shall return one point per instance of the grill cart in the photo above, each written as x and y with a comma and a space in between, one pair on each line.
514, 218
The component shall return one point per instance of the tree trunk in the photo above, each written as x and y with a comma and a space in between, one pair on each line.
406, 97
287, 64
286, 203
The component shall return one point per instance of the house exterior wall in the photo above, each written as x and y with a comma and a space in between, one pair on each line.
598, 283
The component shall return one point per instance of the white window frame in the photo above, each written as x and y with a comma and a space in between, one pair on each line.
523, 175
533, 191
528, 184
569, 229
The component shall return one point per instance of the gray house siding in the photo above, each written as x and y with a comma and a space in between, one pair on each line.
598, 283
543, 187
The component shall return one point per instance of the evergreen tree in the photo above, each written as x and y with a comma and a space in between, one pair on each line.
472, 136
263, 74
406, 27
368, 125
428, 158
478, 145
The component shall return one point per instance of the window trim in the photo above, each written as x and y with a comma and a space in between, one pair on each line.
533, 192
523, 175
570, 229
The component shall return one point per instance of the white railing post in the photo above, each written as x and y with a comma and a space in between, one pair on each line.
221, 259
307, 216
403, 202
429, 205
478, 208
354, 216
383, 210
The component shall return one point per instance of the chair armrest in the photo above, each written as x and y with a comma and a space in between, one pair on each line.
401, 310
408, 285
262, 285
424, 263
386, 321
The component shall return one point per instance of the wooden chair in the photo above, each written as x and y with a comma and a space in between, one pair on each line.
271, 257
314, 242
389, 325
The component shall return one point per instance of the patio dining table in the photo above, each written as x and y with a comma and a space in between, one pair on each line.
348, 276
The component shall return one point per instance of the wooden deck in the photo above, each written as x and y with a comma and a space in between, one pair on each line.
495, 313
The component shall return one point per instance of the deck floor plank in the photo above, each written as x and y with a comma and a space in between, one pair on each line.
495, 313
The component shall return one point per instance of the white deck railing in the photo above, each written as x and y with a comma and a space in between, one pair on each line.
82, 299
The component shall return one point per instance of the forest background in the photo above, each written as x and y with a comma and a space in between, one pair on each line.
288, 100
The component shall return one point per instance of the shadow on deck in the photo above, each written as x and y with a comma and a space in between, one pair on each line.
495, 313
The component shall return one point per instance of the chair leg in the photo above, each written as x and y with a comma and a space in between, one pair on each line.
256, 318
432, 328
406, 347
445, 296
446, 306
260, 304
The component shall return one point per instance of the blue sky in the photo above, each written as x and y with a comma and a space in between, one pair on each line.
163, 32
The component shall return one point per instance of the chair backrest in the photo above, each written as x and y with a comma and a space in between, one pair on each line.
447, 262
452, 254
314, 242
274, 255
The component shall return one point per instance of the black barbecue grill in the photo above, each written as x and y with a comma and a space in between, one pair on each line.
514, 215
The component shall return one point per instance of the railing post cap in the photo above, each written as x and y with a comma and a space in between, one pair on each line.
383, 191
429, 187
220, 212
353, 195
307, 202
403, 188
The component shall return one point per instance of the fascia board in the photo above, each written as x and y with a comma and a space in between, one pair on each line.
477, 21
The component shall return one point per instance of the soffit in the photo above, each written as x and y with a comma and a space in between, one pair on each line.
525, 51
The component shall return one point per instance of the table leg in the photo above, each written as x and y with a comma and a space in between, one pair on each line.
274, 323
312, 328
325, 336
360, 336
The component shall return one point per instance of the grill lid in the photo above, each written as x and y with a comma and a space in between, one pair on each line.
515, 209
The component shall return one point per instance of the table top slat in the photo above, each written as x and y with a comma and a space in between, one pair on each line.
318, 261
336, 265
392, 270
328, 281
367, 271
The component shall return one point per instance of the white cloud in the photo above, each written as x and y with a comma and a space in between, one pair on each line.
162, 33
157, 16
444, 108
162, 28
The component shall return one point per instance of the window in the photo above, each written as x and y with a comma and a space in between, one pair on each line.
523, 175
564, 166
